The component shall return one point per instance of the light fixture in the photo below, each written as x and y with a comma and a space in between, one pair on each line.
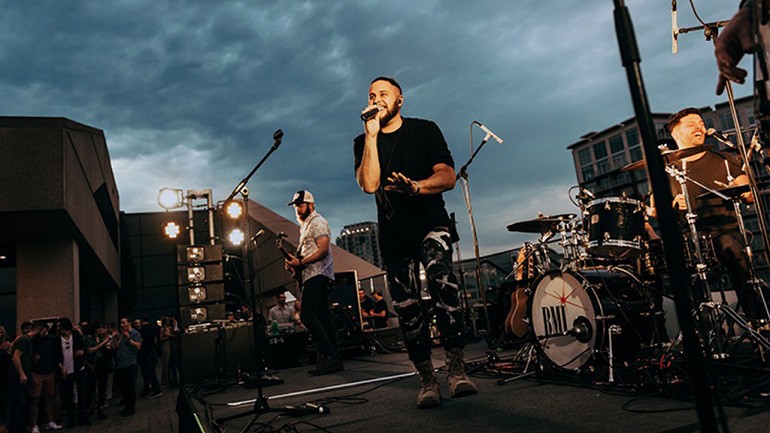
199, 314
196, 294
171, 230
236, 237
234, 209
196, 254
196, 274
170, 198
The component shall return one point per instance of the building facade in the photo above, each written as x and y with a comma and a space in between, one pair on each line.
600, 156
362, 240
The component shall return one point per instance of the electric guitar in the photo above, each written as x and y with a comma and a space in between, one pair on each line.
296, 271
516, 324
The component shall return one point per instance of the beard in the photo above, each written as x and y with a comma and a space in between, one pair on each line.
301, 217
389, 113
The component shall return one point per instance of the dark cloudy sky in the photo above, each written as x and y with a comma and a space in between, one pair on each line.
189, 93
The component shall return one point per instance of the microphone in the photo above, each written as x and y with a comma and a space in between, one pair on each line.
674, 29
711, 132
277, 137
490, 134
581, 329
282, 235
308, 408
258, 234
368, 114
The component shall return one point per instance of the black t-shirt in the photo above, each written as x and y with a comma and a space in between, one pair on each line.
714, 214
404, 220
379, 307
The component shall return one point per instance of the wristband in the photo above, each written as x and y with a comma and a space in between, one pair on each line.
416, 192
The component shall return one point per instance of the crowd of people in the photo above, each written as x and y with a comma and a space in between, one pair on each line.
58, 374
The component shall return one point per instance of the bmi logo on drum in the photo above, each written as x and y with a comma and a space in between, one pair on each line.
554, 319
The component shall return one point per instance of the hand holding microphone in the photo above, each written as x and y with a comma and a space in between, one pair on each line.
370, 112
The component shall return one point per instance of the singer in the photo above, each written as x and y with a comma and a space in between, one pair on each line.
314, 260
716, 219
406, 164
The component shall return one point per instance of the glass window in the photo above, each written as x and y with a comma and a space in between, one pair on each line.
636, 153
616, 144
632, 137
726, 120
588, 173
584, 156
600, 150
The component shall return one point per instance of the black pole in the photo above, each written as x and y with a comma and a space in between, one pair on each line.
668, 221
277, 137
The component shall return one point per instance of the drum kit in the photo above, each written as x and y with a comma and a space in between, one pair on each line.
602, 304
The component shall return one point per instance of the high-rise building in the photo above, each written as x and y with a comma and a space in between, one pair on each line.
362, 240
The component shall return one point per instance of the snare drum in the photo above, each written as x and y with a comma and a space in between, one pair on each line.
615, 226
574, 315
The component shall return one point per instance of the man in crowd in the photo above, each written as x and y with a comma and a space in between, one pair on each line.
281, 313
45, 362
148, 358
406, 164
314, 260
126, 345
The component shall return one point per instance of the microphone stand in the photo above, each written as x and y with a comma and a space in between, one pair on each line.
277, 137
463, 174
710, 414
260, 403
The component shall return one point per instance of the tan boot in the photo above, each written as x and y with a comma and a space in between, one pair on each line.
430, 393
459, 383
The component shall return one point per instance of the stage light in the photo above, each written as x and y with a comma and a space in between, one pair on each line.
196, 294
236, 237
170, 198
171, 230
196, 274
199, 314
196, 254
234, 209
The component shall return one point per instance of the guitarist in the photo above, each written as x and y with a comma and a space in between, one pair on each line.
314, 263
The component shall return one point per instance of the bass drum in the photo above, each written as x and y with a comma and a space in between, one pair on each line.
573, 314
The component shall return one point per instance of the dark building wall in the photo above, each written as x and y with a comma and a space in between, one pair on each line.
60, 201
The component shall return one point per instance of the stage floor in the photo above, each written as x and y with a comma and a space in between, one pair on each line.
376, 393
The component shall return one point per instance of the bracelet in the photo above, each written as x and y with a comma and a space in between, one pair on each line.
417, 192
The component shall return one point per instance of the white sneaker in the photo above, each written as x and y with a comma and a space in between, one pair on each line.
52, 426
34, 429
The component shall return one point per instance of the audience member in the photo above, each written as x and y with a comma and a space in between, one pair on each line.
20, 371
71, 347
148, 358
101, 354
127, 346
379, 313
45, 362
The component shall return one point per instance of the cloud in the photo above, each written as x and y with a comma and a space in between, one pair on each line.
189, 93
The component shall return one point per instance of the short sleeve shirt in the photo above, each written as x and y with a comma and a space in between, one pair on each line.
314, 227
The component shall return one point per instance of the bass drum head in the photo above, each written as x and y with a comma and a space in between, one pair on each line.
558, 301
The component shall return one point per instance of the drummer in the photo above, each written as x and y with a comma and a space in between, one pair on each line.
715, 217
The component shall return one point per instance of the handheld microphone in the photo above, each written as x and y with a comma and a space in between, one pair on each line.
258, 234
490, 134
308, 408
368, 114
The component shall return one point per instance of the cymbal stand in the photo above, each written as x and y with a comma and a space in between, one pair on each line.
714, 325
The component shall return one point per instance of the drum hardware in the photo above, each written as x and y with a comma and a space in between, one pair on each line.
733, 194
671, 156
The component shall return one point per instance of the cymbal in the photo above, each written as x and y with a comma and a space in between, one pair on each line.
730, 191
671, 156
542, 224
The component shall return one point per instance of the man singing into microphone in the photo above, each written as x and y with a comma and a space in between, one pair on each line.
715, 218
406, 164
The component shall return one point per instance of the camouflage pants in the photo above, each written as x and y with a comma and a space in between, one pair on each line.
413, 312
